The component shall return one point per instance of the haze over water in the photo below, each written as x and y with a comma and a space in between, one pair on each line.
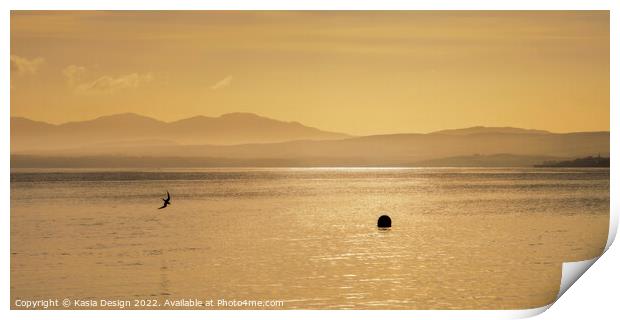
462, 238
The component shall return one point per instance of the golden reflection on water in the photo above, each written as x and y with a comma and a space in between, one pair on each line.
460, 238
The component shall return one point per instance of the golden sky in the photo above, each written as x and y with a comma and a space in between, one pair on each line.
353, 72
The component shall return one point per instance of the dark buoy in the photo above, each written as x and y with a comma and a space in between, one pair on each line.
384, 222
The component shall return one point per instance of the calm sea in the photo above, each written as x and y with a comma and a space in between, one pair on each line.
461, 238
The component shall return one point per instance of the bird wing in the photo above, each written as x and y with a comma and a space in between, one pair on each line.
166, 201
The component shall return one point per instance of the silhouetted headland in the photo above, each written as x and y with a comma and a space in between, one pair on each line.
589, 162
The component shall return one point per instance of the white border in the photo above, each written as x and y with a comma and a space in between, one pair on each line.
284, 5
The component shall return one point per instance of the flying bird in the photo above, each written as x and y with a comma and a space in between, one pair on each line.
166, 201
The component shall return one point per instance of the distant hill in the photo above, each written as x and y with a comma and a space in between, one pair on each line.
132, 129
489, 130
492, 160
121, 161
479, 146
592, 162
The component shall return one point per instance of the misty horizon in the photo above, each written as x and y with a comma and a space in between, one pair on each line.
472, 126
245, 139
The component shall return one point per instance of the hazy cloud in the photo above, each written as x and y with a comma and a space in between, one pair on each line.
24, 66
73, 74
104, 84
222, 83
109, 84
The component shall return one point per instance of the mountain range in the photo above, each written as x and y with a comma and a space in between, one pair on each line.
133, 129
242, 139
